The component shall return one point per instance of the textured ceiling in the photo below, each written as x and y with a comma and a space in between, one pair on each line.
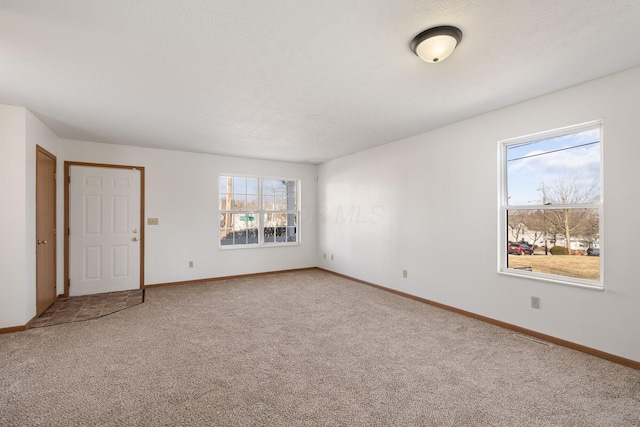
295, 80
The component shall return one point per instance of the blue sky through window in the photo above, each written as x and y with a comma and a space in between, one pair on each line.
572, 157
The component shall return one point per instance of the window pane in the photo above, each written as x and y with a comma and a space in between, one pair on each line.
280, 227
225, 188
225, 222
252, 202
239, 201
238, 193
292, 199
275, 219
280, 202
225, 202
559, 170
252, 186
268, 187
537, 241
268, 202
239, 229
269, 194
239, 185
226, 236
279, 195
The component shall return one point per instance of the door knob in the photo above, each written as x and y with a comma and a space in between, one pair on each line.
135, 239
135, 230
42, 242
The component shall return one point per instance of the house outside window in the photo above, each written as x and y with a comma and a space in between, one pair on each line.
551, 205
256, 211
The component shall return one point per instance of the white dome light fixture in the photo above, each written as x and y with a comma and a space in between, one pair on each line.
436, 44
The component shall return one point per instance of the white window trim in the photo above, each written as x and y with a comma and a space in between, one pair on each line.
503, 206
260, 212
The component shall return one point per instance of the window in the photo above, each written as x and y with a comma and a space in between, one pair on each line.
258, 211
551, 205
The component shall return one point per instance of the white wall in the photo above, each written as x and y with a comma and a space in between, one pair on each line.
181, 190
13, 224
20, 132
374, 206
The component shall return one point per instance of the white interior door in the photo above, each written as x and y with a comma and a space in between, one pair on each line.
104, 230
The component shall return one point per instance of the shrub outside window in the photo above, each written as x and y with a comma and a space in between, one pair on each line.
258, 211
551, 205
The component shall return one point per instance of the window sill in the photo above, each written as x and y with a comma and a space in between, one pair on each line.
578, 283
258, 246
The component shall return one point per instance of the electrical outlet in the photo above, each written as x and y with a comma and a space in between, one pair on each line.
331, 257
190, 264
152, 221
404, 273
324, 256
535, 302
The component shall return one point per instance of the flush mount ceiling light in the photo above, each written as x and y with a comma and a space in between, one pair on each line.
435, 44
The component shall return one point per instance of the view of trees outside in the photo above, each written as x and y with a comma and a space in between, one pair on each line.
553, 192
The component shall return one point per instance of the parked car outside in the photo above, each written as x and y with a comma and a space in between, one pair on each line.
593, 252
519, 249
526, 249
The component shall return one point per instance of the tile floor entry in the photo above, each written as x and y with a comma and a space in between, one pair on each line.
88, 307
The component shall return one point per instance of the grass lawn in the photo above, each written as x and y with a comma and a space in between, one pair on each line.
580, 266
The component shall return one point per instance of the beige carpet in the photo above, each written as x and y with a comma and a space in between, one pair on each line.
301, 348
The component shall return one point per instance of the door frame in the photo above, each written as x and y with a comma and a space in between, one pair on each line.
67, 181
39, 212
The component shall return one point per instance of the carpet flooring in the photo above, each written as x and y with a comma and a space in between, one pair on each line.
88, 307
303, 348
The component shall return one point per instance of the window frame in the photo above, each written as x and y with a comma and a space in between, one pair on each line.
260, 212
504, 207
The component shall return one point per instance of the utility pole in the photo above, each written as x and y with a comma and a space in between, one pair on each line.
544, 219
227, 216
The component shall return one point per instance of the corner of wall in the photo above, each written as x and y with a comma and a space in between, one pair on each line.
13, 224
